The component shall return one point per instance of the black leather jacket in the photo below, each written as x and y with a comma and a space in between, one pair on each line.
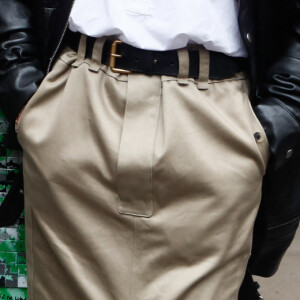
31, 34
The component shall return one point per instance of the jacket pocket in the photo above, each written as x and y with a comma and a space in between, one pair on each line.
266, 258
282, 129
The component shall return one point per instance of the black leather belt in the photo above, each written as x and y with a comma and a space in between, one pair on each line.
162, 62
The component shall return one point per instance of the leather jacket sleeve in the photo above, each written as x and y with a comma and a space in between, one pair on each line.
20, 63
278, 110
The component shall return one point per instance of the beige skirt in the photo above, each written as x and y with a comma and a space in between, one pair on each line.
138, 187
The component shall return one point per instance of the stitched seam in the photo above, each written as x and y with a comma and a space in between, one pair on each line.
133, 258
211, 81
32, 251
68, 64
33, 264
153, 148
121, 80
285, 223
118, 159
288, 111
101, 66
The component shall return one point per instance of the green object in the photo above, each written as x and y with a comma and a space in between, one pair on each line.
13, 294
8, 246
13, 268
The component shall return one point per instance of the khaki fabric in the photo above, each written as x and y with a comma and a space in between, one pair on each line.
137, 187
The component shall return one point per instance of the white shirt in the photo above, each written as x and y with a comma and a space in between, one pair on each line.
162, 24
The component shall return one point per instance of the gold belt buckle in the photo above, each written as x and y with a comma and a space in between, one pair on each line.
113, 56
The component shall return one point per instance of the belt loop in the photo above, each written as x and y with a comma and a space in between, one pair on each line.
183, 72
203, 69
97, 54
81, 51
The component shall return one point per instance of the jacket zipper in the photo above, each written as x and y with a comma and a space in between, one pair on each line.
60, 40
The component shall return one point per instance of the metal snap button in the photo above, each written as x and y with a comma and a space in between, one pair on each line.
249, 37
258, 137
289, 153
